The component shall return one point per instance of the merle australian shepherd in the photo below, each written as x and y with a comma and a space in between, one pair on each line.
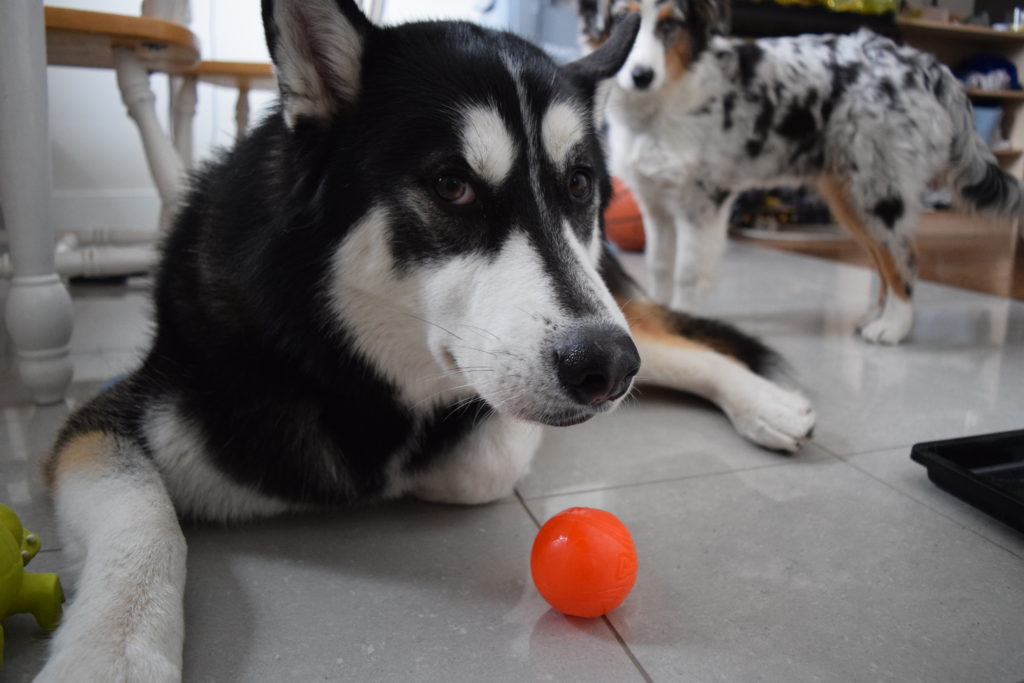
383, 290
697, 118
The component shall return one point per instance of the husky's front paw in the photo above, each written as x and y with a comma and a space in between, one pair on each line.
769, 415
86, 664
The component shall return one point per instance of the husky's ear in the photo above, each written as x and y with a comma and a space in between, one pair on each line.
317, 48
605, 61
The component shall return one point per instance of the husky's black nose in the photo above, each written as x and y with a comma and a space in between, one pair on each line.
642, 76
596, 363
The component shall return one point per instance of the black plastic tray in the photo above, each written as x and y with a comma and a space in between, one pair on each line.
986, 471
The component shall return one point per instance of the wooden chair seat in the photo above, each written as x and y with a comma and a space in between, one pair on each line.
241, 75
83, 38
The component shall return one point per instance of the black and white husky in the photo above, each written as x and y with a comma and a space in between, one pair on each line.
697, 118
383, 290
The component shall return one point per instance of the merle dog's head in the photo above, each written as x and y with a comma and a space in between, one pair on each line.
672, 34
467, 182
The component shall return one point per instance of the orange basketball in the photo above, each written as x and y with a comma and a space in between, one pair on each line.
623, 225
583, 562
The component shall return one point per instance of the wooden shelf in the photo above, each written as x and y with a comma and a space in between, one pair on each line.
1013, 95
936, 29
245, 75
1006, 154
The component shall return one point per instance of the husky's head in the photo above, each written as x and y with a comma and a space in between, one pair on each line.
672, 35
467, 182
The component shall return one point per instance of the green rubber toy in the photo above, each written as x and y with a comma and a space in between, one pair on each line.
20, 591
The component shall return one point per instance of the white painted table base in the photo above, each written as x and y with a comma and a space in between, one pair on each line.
39, 312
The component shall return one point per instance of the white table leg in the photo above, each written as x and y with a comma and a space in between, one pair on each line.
39, 312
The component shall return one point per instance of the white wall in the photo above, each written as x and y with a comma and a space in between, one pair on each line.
100, 177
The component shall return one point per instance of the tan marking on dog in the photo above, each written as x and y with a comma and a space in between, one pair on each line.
649, 322
647, 319
678, 58
88, 450
834, 194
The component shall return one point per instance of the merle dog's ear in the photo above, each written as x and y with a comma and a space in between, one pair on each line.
317, 49
712, 18
605, 61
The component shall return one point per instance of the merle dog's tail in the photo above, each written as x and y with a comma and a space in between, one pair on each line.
977, 179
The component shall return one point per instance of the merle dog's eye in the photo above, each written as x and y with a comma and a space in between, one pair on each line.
668, 26
580, 184
454, 189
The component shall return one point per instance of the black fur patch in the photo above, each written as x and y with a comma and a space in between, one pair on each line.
726, 339
843, 76
719, 195
886, 87
991, 191
750, 55
889, 210
762, 125
728, 103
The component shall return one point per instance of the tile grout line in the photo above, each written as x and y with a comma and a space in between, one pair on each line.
629, 652
916, 500
937, 512
685, 477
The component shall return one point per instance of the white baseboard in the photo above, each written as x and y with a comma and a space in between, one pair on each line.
137, 209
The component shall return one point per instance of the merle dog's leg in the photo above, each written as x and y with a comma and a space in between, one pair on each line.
659, 246
882, 226
700, 229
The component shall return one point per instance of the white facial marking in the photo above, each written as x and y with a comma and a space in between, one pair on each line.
647, 52
382, 313
486, 144
561, 129
588, 258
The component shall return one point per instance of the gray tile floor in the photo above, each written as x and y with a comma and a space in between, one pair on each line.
840, 563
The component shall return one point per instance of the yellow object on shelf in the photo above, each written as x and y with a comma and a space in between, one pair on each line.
862, 6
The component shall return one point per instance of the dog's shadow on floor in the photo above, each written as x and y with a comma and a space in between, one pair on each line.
272, 582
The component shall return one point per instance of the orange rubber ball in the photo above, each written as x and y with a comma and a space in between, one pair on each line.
583, 562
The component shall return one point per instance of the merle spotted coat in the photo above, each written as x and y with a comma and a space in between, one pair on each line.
697, 117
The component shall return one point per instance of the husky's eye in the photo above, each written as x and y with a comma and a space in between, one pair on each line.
454, 189
580, 184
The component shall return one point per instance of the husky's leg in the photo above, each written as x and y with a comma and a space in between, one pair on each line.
711, 360
125, 619
485, 466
